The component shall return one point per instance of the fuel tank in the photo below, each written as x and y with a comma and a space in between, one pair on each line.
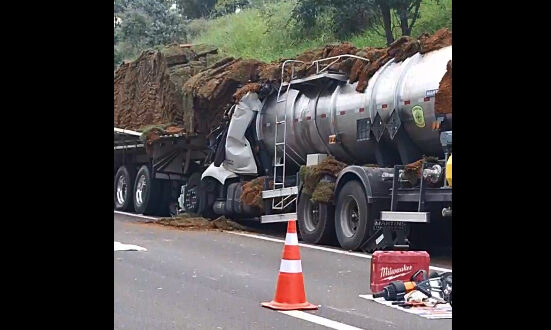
392, 117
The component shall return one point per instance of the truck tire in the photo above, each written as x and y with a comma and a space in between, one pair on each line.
353, 219
316, 221
146, 192
123, 189
192, 183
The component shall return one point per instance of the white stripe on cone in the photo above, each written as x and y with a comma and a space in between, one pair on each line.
290, 266
291, 239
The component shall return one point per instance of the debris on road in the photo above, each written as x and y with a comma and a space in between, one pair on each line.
128, 247
188, 222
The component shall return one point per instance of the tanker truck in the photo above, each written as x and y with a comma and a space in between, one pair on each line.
273, 132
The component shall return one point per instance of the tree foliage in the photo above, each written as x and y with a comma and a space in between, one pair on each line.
145, 23
348, 17
196, 8
342, 17
224, 7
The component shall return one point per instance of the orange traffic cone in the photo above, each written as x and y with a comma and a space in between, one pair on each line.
290, 293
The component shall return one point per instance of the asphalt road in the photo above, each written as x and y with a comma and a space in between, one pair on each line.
216, 280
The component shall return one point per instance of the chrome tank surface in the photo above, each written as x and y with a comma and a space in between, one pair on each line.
331, 107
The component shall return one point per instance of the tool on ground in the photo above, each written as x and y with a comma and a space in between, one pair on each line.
290, 293
388, 266
395, 291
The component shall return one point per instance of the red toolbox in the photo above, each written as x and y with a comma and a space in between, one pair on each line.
390, 266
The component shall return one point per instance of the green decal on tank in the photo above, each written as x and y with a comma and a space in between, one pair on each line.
418, 116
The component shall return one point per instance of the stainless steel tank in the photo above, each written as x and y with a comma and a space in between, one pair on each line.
361, 122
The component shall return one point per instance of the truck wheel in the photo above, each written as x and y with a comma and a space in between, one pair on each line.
146, 192
352, 216
316, 221
192, 194
123, 189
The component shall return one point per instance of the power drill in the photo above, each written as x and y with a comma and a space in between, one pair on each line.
396, 290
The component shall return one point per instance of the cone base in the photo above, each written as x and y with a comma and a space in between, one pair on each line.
289, 307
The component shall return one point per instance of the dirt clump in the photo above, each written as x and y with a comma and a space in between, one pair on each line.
210, 92
189, 222
440, 39
443, 98
148, 90
413, 171
252, 192
252, 87
225, 224
401, 49
324, 192
152, 133
315, 178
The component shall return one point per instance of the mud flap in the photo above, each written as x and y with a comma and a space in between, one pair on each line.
389, 236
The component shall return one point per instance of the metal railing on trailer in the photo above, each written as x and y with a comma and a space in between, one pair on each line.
126, 139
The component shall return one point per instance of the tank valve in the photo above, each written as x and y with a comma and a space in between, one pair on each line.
447, 212
433, 174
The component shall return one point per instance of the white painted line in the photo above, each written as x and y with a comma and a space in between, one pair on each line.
319, 320
315, 247
136, 215
440, 269
323, 248
128, 247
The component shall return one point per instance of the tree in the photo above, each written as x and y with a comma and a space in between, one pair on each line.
196, 8
405, 12
352, 16
342, 17
146, 23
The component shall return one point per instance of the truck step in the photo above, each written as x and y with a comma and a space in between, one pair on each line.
405, 216
279, 192
283, 217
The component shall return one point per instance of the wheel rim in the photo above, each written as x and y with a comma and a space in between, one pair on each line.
311, 215
122, 186
350, 216
140, 190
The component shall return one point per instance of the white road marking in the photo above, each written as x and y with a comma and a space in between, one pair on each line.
315, 247
319, 320
136, 215
323, 248
128, 247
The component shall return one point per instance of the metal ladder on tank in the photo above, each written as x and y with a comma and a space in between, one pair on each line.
281, 196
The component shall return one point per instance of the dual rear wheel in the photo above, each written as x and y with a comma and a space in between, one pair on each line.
140, 192
349, 223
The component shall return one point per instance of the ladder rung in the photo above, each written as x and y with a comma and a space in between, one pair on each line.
280, 143
278, 165
280, 122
